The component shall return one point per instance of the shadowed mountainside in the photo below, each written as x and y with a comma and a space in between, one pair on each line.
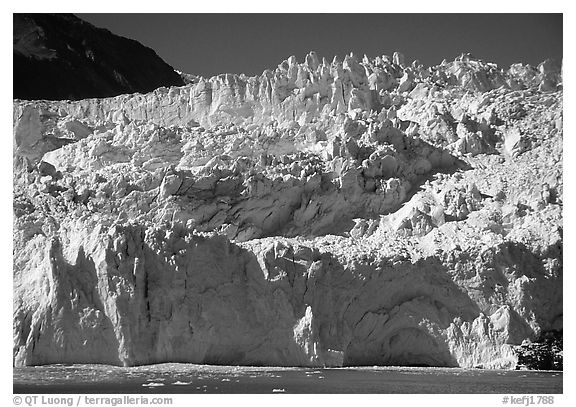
59, 56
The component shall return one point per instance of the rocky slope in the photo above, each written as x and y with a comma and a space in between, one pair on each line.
353, 212
59, 56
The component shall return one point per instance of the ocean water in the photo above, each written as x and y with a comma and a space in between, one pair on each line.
190, 378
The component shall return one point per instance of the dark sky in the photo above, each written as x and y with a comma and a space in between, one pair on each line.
210, 44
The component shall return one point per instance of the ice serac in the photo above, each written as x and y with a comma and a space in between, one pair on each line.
358, 212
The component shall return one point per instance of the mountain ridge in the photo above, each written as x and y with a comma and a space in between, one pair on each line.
59, 56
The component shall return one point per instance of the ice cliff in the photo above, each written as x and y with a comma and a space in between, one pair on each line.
353, 212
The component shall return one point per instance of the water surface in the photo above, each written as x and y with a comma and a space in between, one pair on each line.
190, 378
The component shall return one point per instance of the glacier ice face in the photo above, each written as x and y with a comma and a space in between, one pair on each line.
346, 213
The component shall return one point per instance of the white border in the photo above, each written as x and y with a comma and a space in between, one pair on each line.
191, 6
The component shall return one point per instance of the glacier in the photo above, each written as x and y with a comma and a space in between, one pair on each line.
354, 212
